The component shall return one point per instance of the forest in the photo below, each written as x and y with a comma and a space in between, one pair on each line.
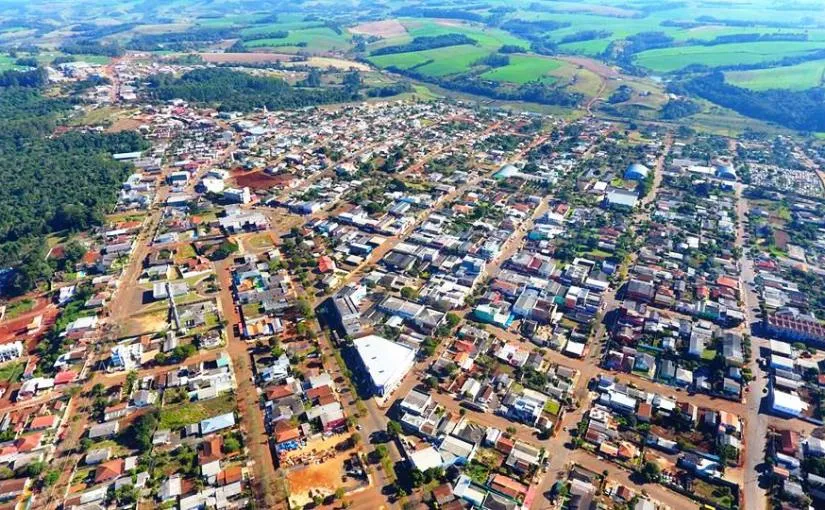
238, 91
50, 183
802, 110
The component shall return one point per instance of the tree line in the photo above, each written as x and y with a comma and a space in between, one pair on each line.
426, 43
802, 110
238, 91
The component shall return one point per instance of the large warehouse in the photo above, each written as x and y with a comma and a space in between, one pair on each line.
385, 361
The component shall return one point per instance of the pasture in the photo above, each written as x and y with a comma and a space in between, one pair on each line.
798, 77
523, 69
665, 60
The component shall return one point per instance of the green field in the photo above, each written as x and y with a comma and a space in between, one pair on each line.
798, 77
665, 60
317, 39
523, 68
442, 61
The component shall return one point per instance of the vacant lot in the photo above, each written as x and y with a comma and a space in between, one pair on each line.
523, 69
177, 416
798, 77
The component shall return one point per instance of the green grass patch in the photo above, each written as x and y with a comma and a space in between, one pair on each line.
181, 415
18, 308
318, 39
709, 354
552, 407
11, 372
665, 60
523, 69
436, 62
798, 77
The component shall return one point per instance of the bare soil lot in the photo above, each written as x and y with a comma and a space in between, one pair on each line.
385, 28
244, 58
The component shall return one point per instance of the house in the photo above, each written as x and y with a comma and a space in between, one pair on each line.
107, 429
116, 411
109, 470
220, 422
14, 487
523, 457
97, 456
44, 422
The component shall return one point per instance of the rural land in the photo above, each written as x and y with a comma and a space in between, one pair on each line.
413, 255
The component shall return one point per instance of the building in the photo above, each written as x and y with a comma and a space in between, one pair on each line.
11, 351
237, 195
787, 403
386, 362
636, 172
621, 199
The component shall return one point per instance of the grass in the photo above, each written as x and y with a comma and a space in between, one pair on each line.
709, 354
18, 308
436, 62
11, 372
798, 77
261, 241
665, 60
552, 407
186, 251
317, 39
523, 69
181, 415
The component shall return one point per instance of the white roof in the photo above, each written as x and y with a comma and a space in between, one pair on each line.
383, 358
575, 348
425, 459
622, 400
788, 402
782, 348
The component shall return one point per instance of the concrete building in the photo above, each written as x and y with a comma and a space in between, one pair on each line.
386, 362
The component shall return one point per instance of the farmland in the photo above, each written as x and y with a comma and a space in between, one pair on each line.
664, 60
523, 69
798, 77
437, 62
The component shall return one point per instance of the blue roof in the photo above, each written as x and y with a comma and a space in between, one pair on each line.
636, 171
506, 171
220, 422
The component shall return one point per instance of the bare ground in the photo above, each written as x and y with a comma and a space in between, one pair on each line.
385, 28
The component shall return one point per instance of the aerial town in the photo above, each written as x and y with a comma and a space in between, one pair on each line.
423, 304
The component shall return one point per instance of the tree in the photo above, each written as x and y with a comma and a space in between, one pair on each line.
393, 428
651, 472
131, 378
339, 493
51, 478
231, 444
408, 293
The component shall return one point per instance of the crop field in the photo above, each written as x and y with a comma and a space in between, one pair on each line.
523, 69
436, 62
666, 60
317, 39
797, 77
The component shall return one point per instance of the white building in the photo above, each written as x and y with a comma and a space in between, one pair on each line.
11, 351
385, 361
238, 196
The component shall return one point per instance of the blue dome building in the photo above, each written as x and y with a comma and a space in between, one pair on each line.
725, 171
506, 172
636, 172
